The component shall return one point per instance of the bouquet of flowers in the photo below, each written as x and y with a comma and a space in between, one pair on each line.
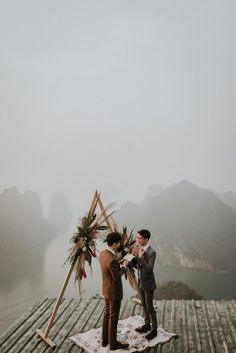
127, 243
84, 242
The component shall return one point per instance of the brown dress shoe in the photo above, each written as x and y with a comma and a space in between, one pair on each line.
119, 345
151, 335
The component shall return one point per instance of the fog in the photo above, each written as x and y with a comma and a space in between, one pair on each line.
114, 96
118, 93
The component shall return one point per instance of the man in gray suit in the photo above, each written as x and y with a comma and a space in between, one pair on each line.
144, 260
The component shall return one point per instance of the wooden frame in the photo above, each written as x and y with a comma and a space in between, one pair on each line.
44, 335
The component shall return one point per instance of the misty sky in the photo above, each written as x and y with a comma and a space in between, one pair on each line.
122, 92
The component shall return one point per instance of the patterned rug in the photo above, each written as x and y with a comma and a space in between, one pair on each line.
91, 340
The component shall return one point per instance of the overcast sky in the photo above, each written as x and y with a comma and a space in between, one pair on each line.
122, 92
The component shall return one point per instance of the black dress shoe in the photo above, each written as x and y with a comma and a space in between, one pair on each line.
104, 343
143, 329
119, 345
151, 335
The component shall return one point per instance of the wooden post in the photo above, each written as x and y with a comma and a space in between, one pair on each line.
94, 203
103, 211
44, 336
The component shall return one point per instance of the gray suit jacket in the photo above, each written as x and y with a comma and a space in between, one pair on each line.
145, 266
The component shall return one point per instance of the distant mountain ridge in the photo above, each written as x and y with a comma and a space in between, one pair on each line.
25, 233
191, 227
228, 198
60, 213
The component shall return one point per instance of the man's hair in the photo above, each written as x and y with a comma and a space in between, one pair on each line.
144, 233
113, 238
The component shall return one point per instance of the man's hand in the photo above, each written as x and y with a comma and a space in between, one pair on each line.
135, 251
141, 252
126, 263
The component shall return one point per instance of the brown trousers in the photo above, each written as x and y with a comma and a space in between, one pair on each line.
110, 321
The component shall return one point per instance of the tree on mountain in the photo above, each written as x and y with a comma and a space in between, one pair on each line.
176, 290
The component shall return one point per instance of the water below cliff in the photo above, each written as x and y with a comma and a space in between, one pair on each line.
16, 298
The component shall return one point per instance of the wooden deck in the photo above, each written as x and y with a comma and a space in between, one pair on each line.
202, 326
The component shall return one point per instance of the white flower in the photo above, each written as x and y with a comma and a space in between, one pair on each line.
84, 248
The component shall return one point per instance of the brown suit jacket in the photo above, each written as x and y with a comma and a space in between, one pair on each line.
111, 276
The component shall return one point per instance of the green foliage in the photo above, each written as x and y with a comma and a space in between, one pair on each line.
102, 228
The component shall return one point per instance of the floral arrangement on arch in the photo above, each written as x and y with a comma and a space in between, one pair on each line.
84, 240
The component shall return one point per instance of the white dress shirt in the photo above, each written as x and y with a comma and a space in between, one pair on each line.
112, 251
145, 247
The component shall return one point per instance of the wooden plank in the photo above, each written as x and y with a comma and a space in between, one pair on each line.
13, 340
213, 332
165, 348
137, 309
78, 313
227, 326
59, 301
187, 333
178, 327
191, 341
160, 319
206, 326
48, 341
38, 346
169, 325
92, 323
232, 319
22, 319
195, 328
173, 325
126, 311
131, 306
202, 328
30, 339
185, 330
231, 307
76, 324
181, 332
233, 304
219, 324
177, 342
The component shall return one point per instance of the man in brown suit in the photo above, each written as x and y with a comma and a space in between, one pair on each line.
112, 291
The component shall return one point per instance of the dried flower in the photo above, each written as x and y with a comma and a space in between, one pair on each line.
84, 241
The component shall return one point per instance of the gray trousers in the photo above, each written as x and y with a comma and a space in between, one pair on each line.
148, 308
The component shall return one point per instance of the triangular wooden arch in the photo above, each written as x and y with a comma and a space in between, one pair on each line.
44, 335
